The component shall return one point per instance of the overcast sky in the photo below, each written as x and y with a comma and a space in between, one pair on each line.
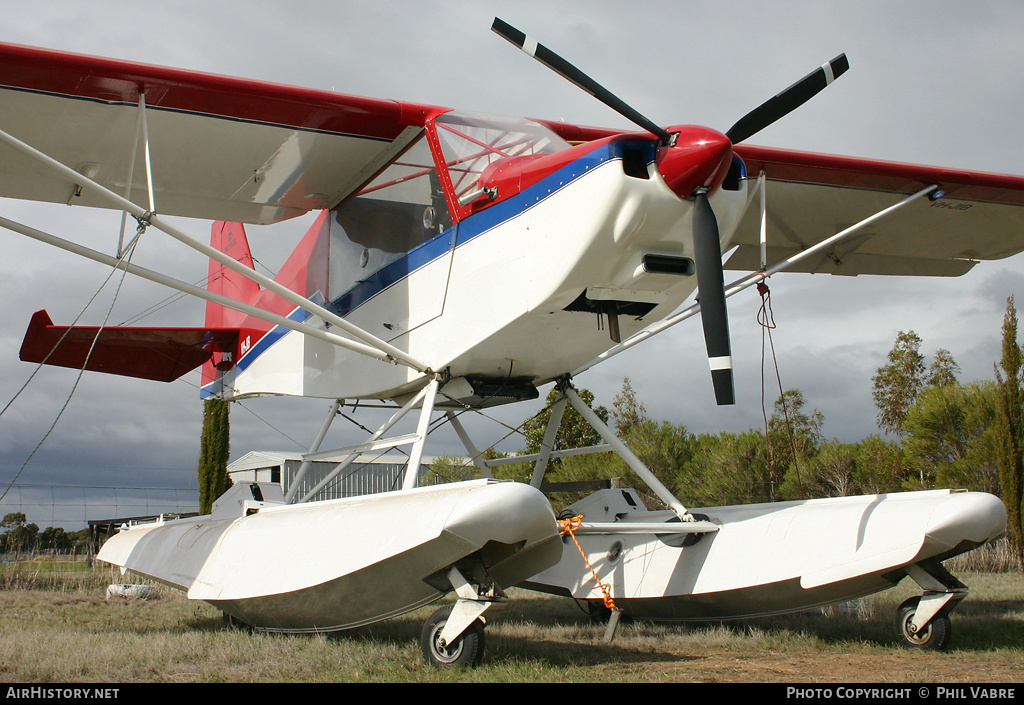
931, 82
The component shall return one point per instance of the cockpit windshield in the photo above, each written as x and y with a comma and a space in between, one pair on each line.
405, 207
472, 141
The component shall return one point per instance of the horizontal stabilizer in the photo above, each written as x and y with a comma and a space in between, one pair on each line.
161, 354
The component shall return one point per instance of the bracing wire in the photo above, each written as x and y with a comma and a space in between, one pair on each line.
126, 255
766, 317
162, 304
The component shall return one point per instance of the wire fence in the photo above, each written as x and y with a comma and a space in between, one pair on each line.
72, 507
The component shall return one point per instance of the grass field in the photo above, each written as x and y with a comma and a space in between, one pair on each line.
58, 627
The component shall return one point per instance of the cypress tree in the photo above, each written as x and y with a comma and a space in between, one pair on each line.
213, 453
1010, 431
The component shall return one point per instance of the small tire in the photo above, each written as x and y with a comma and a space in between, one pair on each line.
466, 650
934, 637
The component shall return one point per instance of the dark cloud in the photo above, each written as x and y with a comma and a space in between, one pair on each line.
925, 86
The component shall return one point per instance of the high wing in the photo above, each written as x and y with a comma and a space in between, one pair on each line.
811, 197
221, 148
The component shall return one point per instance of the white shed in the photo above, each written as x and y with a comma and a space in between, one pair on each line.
367, 475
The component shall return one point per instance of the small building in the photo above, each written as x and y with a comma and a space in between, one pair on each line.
366, 475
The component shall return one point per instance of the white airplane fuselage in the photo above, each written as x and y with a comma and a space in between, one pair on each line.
490, 297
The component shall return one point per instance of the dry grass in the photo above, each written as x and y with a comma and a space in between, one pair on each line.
995, 557
68, 632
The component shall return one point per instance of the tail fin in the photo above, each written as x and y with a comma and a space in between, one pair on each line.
305, 272
230, 239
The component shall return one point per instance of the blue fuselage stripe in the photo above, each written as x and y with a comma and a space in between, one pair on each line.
469, 228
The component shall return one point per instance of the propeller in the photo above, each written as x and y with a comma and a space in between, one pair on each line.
788, 100
706, 236
714, 316
566, 70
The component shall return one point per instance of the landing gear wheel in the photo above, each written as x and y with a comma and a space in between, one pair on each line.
934, 637
466, 650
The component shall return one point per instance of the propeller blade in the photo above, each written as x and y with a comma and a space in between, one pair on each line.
788, 100
711, 285
562, 67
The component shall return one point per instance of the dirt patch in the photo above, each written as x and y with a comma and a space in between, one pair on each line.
903, 667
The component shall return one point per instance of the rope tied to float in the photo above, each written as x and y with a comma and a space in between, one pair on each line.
569, 526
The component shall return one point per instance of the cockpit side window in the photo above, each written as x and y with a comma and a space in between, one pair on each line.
405, 206
398, 211
402, 208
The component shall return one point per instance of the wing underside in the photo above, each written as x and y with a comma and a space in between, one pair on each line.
221, 148
231, 149
811, 197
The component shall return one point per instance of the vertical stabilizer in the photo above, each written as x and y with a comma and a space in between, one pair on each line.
306, 269
230, 239
305, 272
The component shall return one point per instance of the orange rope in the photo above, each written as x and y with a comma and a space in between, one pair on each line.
568, 526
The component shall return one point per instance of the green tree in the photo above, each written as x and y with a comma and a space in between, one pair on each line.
830, 472
450, 468
54, 538
18, 534
663, 448
943, 370
573, 431
794, 436
950, 437
1009, 427
213, 454
729, 468
895, 386
627, 411
881, 466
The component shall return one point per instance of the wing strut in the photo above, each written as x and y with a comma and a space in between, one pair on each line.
141, 131
933, 191
150, 218
424, 398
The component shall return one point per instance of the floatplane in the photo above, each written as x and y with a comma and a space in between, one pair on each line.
459, 262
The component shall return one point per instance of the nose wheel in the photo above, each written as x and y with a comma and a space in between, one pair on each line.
454, 635
934, 636
467, 649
